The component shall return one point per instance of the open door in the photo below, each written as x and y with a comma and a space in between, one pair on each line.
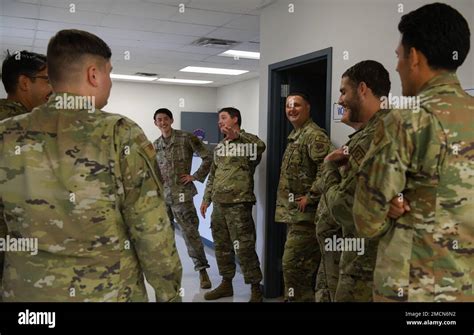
311, 74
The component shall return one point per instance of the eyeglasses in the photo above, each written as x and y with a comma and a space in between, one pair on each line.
41, 77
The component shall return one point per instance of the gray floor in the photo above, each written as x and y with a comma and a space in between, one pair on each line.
190, 282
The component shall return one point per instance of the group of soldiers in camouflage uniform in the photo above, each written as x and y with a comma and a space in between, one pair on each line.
229, 188
402, 185
98, 196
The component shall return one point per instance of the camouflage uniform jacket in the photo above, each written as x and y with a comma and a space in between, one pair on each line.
231, 178
9, 108
304, 155
425, 154
175, 159
339, 197
83, 184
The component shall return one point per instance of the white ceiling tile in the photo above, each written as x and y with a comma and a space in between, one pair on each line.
40, 43
18, 9
54, 27
65, 15
179, 40
16, 22
39, 50
256, 39
179, 55
139, 47
144, 9
233, 34
230, 6
197, 16
156, 36
247, 46
29, 1
130, 44
44, 35
17, 41
200, 50
182, 28
127, 22
17, 32
100, 6
170, 2
173, 40
125, 34
245, 22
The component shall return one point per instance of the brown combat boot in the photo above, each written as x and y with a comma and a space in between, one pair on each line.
256, 295
225, 289
204, 279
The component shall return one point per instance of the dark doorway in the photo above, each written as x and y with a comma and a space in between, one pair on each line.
311, 74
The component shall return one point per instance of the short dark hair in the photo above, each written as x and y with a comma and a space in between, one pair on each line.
436, 30
163, 111
303, 95
21, 63
373, 74
233, 112
68, 47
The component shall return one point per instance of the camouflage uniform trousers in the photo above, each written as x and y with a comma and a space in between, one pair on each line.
300, 262
328, 271
233, 231
188, 221
357, 274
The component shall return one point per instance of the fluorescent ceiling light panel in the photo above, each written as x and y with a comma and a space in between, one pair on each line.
185, 81
241, 54
212, 70
129, 77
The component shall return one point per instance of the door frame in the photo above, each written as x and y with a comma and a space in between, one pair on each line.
275, 234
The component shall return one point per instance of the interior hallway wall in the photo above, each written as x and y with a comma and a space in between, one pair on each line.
139, 101
243, 96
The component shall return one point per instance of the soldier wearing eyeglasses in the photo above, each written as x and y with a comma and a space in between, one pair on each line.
25, 78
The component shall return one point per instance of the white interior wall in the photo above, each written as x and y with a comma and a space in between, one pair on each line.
244, 97
367, 29
139, 101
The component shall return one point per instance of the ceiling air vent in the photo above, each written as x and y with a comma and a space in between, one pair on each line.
214, 43
146, 74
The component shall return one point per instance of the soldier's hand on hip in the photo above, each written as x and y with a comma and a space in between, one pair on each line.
204, 206
186, 179
302, 202
398, 208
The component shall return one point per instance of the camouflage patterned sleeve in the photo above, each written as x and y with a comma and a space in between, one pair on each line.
318, 147
210, 183
144, 212
253, 139
330, 176
199, 148
3, 234
340, 200
158, 172
381, 176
